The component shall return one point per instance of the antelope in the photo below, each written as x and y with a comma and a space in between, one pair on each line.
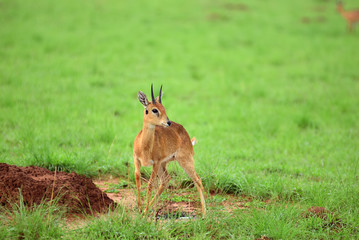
159, 142
350, 16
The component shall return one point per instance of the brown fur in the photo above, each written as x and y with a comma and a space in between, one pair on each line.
351, 17
159, 143
173, 136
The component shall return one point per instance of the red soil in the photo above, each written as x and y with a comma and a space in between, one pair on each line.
77, 193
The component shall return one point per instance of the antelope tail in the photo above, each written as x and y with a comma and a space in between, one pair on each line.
194, 141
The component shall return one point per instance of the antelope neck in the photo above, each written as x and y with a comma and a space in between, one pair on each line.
148, 136
341, 9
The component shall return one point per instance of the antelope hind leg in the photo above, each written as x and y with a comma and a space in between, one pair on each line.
165, 178
188, 167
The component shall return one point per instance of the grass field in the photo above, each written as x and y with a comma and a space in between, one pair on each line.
270, 89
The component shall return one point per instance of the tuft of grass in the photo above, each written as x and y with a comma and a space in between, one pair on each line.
43, 221
275, 221
119, 224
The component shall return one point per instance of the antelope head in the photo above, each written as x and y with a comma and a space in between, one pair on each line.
339, 6
155, 113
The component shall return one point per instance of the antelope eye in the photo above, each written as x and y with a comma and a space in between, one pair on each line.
154, 110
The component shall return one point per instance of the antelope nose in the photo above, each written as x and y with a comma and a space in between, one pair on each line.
169, 123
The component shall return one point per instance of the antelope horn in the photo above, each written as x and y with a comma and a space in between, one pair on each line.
153, 98
160, 96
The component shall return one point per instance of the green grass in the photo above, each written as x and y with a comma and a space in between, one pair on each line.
271, 97
278, 222
43, 221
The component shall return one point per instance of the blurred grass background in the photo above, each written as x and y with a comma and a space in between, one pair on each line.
269, 89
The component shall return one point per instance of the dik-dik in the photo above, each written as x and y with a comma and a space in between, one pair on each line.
159, 142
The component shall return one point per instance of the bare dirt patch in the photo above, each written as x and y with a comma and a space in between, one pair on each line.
317, 19
217, 17
320, 212
236, 6
330, 219
78, 193
319, 9
174, 202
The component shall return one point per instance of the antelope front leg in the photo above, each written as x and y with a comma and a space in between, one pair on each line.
350, 26
150, 185
138, 182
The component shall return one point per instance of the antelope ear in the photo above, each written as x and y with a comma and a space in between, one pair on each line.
143, 99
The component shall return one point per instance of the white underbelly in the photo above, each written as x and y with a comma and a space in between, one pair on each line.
146, 164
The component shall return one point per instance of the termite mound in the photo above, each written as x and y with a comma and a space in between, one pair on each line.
78, 193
